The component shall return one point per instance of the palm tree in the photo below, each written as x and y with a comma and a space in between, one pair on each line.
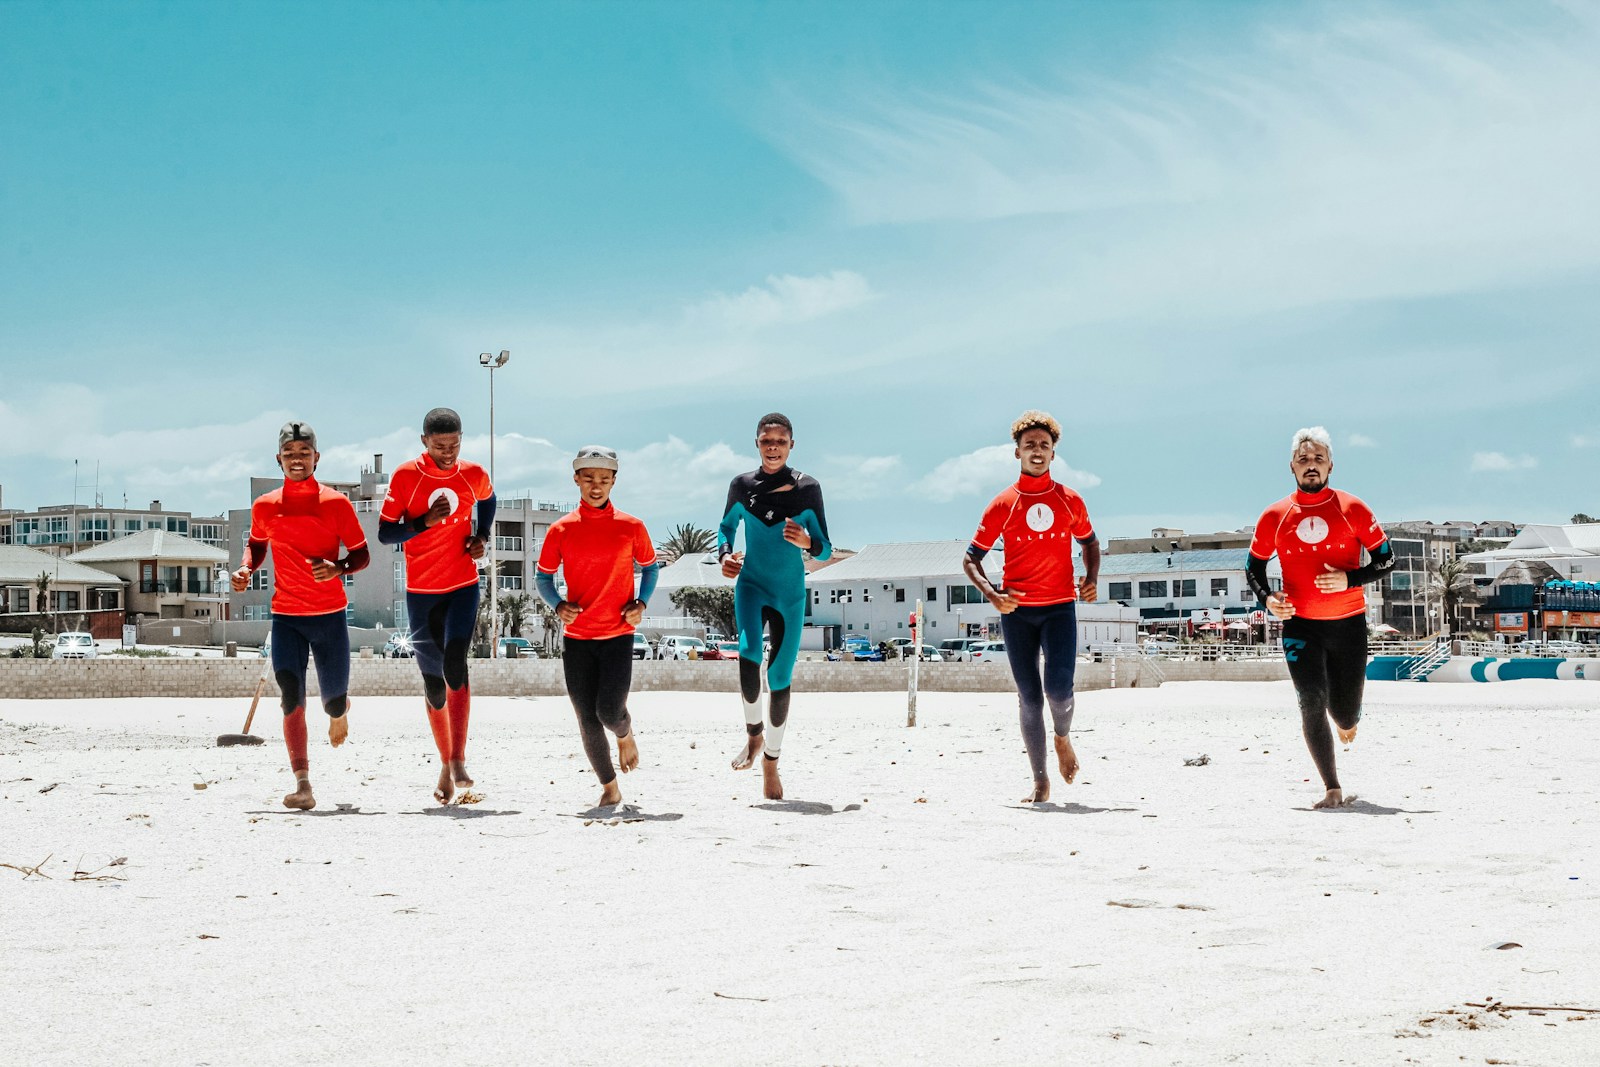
41, 603
550, 622
685, 539
1452, 584
515, 611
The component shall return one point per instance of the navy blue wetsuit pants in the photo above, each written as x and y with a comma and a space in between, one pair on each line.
441, 637
297, 638
1049, 633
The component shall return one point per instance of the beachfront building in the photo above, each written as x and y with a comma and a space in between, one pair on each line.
168, 576
53, 593
1185, 590
63, 529
1541, 584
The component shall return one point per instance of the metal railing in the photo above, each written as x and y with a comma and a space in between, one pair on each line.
1529, 650
1418, 668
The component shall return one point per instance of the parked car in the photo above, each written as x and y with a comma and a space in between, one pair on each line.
74, 645
958, 649
989, 652
677, 646
641, 646
524, 647
1158, 646
861, 647
929, 653
722, 650
398, 646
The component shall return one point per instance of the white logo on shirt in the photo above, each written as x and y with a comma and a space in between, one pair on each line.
1312, 529
449, 495
1041, 518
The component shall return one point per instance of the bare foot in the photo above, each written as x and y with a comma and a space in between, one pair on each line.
1041, 792
301, 798
458, 769
1068, 758
446, 787
610, 795
627, 753
338, 730
771, 784
752, 752
1346, 736
1334, 799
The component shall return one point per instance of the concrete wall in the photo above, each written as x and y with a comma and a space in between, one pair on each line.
110, 677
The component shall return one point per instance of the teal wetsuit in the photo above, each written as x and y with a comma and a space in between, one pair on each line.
770, 592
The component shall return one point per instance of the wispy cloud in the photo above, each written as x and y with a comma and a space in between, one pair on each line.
1585, 440
1499, 461
985, 471
785, 299
1360, 440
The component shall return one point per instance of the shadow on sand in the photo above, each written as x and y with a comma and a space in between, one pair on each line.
1052, 807
1366, 807
625, 813
804, 807
337, 809
453, 811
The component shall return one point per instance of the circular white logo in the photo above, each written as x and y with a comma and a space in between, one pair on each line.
1312, 530
449, 495
1041, 518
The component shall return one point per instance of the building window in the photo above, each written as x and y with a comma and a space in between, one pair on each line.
1219, 587
963, 594
258, 580
1121, 591
933, 594
1153, 589
1182, 587
66, 599
899, 596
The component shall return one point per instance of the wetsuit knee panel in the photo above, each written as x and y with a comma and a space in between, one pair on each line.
778, 706
455, 663
336, 707
433, 689
293, 688
749, 680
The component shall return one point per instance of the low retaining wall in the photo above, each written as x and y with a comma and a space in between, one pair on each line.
1497, 669
110, 677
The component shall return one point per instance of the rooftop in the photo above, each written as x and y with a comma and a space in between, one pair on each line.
21, 565
151, 544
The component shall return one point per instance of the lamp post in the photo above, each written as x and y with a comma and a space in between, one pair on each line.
494, 363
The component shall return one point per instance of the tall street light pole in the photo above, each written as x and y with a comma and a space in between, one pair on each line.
494, 363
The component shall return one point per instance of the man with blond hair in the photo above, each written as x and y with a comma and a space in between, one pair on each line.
1318, 534
1039, 519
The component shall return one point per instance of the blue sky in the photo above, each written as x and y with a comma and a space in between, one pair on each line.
1187, 230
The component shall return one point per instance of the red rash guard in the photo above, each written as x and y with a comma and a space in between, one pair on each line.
1311, 532
436, 558
1038, 518
303, 522
597, 548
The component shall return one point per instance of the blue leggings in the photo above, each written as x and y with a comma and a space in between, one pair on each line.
1053, 631
296, 638
441, 637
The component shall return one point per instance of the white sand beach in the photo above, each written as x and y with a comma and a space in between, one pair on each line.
901, 906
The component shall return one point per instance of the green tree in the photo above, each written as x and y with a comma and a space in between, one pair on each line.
41, 602
550, 623
686, 539
712, 605
516, 611
1452, 584
1580, 517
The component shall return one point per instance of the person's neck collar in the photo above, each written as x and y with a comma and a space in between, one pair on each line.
585, 507
1321, 496
1033, 483
304, 485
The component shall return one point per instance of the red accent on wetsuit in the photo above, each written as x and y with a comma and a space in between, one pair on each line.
436, 558
439, 722
1038, 518
294, 738
1310, 532
458, 702
301, 522
597, 548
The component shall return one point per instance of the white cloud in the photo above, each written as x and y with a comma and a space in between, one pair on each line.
1360, 440
860, 477
985, 471
1499, 461
1585, 440
785, 299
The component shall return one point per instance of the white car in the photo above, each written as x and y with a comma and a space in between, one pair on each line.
1158, 646
929, 653
958, 649
988, 652
74, 645
679, 647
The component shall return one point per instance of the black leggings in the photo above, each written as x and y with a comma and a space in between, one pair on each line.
1328, 663
598, 676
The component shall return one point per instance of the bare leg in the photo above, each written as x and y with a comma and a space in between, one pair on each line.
1040, 794
446, 789
301, 798
1067, 757
627, 753
610, 794
771, 784
1334, 799
458, 769
751, 752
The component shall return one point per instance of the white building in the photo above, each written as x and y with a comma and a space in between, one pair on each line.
1166, 587
1573, 551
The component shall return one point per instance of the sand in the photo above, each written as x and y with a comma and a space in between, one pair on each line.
901, 906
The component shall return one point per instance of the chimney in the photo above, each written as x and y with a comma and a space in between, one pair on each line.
155, 505
377, 463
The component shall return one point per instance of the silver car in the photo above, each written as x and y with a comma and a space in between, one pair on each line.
74, 645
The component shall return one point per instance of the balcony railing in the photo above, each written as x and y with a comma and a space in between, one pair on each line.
148, 586
508, 544
511, 581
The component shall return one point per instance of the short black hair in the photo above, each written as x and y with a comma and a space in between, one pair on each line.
441, 420
775, 418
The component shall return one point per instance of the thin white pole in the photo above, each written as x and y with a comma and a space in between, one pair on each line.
494, 578
916, 659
